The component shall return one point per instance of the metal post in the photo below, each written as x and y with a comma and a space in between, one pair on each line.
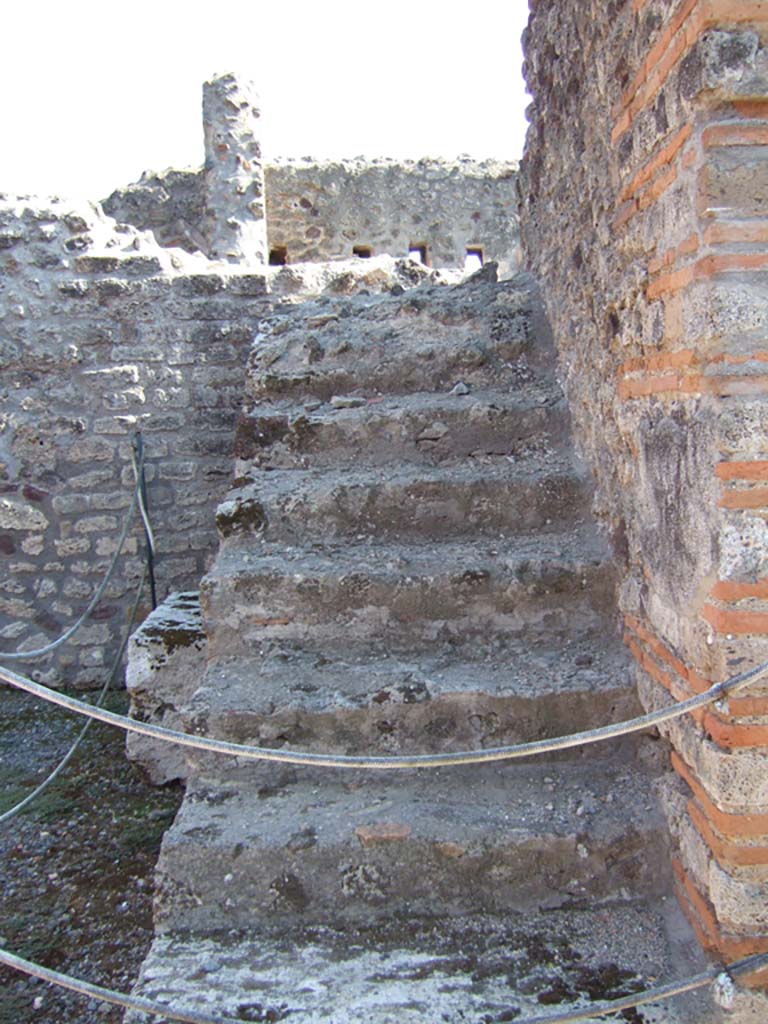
138, 447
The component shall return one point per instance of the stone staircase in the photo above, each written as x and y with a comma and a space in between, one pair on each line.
408, 564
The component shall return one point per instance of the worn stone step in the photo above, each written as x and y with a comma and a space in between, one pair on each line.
545, 584
424, 427
429, 340
489, 496
410, 970
375, 699
336, 846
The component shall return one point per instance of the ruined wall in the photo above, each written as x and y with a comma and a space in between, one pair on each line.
318, 211
233, 225
103, 332
170, 204
644, 183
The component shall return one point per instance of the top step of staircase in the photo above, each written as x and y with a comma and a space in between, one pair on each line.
427, 339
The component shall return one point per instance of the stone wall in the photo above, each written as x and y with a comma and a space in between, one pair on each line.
234, 225
320, 211
644, 184
102, 332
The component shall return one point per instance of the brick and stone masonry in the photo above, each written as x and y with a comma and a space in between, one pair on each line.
105, 331
102, 333
652, 251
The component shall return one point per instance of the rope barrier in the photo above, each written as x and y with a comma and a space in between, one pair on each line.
718, 691
748, 965
40, 652
19, 807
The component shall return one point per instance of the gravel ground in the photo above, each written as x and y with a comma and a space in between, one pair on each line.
77, 865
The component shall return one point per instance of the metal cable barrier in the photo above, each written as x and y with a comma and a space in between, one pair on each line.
719, 691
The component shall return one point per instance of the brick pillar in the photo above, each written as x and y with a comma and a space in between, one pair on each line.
235, 224
655, 255
700, 196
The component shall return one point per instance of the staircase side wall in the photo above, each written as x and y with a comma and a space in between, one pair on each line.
102, 333
645, 181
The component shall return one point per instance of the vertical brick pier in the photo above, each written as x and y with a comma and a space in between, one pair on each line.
655, 257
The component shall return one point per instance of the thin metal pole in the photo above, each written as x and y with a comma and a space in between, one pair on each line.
138, 447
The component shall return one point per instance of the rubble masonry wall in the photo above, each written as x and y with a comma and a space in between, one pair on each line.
321, 210
645, 182
103, 332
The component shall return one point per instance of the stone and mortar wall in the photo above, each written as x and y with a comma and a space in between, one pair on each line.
320, 211
102, 332
233, 224
645, 182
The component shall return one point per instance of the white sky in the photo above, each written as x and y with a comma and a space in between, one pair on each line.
95, 91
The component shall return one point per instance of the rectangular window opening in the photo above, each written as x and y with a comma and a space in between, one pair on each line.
419, 251
363, 252
473, 258
278, 257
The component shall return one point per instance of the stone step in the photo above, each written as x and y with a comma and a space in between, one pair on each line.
546, 584
489, 496
415, 970
423, 427
425, 341
373, 699
336, 846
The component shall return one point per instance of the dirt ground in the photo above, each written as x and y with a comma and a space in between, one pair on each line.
77, 865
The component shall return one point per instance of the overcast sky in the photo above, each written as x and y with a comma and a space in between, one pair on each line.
94, 92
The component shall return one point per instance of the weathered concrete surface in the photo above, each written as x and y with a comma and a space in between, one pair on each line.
431, 429
428, 340
547, 585
165, 665
476, 968
327, 848
361, 698
408, 501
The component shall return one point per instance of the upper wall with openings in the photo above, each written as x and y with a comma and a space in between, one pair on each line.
438, 211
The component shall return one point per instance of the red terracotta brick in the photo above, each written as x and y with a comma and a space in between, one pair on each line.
745, 826
738, 470
382, 832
